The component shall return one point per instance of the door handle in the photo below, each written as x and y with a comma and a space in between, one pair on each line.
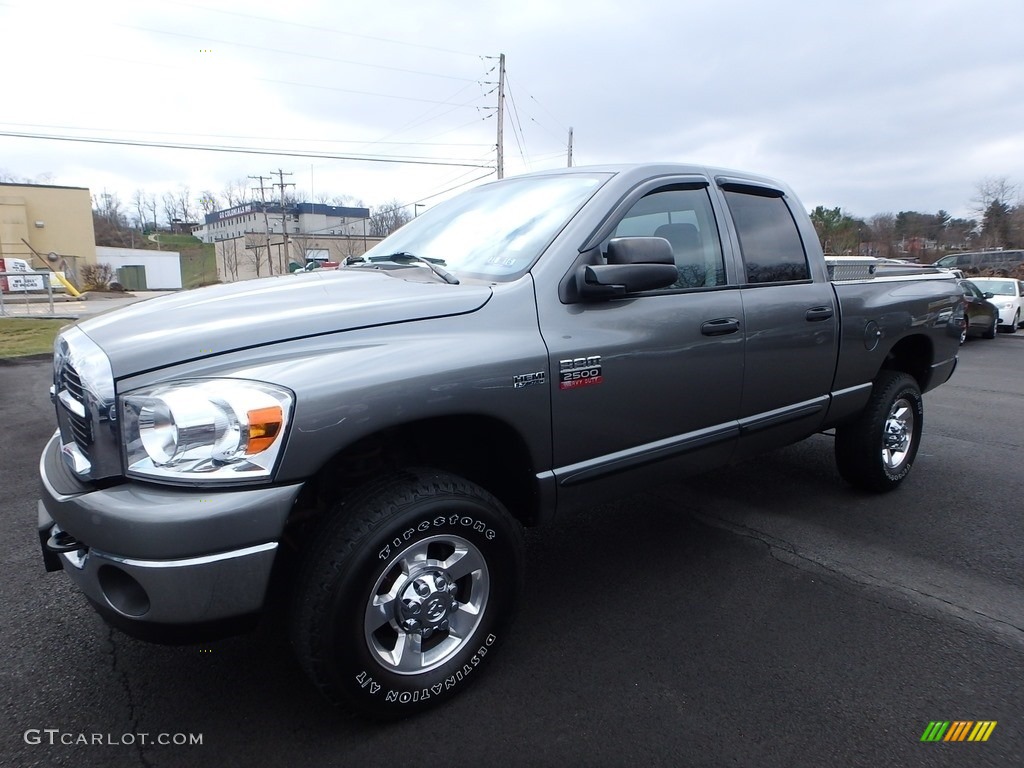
720, 327
815, 314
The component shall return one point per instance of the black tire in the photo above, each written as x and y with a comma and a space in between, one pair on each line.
877, 450
1014, 323
379, 580
991, 332
963, 331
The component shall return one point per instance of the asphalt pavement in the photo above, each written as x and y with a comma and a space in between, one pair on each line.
761, 615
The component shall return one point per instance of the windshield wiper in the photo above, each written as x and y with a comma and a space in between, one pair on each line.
432, 264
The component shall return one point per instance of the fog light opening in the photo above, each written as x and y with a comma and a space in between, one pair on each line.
123, 592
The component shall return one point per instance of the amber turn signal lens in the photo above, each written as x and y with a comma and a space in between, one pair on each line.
264, 427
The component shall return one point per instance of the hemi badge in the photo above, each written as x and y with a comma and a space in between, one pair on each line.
521, 380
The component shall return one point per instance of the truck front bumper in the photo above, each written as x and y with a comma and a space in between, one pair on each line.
157, 560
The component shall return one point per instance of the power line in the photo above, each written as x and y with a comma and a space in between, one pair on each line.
242, 150
303, 139
515, 121
266, 49
324, 29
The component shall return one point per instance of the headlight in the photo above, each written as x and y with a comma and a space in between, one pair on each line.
208, 430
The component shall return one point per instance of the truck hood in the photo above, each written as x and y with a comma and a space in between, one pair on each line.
222, 318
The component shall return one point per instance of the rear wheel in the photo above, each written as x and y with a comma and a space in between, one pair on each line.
991, 332
411, 585
963, 332
877, 450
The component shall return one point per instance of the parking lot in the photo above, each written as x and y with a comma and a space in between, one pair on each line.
761, 615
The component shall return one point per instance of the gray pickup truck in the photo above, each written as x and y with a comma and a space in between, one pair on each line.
368, 442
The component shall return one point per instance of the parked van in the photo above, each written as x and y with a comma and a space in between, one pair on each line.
982, 260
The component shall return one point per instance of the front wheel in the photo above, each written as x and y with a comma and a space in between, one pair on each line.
877, 450
413, 584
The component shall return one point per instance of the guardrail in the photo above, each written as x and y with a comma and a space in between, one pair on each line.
46, 282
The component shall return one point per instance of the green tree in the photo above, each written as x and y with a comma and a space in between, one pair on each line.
838, 232
996, 225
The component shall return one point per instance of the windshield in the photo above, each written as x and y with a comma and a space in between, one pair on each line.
496, 231
1000, 287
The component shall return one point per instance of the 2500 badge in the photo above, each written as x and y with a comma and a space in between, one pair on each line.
579, 372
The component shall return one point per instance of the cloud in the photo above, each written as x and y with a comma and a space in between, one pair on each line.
897, 105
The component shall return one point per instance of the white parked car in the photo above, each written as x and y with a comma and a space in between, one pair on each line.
1008, 296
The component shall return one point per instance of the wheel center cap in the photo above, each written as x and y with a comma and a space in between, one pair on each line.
896, 433
435, 609
425, 602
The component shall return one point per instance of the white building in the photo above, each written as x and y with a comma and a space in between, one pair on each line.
298, 219
139, 269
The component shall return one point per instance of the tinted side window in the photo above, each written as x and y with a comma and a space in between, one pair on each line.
772, 249
683, 217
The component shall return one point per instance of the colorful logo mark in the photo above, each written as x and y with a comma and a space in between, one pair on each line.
958, 730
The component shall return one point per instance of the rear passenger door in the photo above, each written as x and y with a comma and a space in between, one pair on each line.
790, 320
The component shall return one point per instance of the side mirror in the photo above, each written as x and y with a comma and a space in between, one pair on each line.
635, 264
988, 295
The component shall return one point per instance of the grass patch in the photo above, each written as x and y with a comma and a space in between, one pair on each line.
176, 241
21, 336
198, 265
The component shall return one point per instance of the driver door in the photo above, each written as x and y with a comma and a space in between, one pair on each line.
648, 386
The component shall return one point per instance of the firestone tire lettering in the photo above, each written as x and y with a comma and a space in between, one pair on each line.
349, 646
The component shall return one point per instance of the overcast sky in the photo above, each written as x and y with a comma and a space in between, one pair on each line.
870, 106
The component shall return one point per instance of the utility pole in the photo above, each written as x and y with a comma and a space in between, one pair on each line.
570, 147
284, 224
266, 225
501, 116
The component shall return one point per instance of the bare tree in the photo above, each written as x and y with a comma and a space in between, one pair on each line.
108, 206
170, 207
386, 218
230, 259
9, 178
151, 206
347, 201
235, 192
993, 189
208, 201
183, 202
139, 204
883, 234
253, 243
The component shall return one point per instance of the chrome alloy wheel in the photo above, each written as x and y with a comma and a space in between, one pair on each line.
426, 606
898, 434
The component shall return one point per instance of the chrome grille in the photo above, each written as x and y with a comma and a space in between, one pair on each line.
81, 427
72, 382
83, 390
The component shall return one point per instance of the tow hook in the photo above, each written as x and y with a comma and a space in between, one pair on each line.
62, 541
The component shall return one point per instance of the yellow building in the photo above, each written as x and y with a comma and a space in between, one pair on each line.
50, 220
